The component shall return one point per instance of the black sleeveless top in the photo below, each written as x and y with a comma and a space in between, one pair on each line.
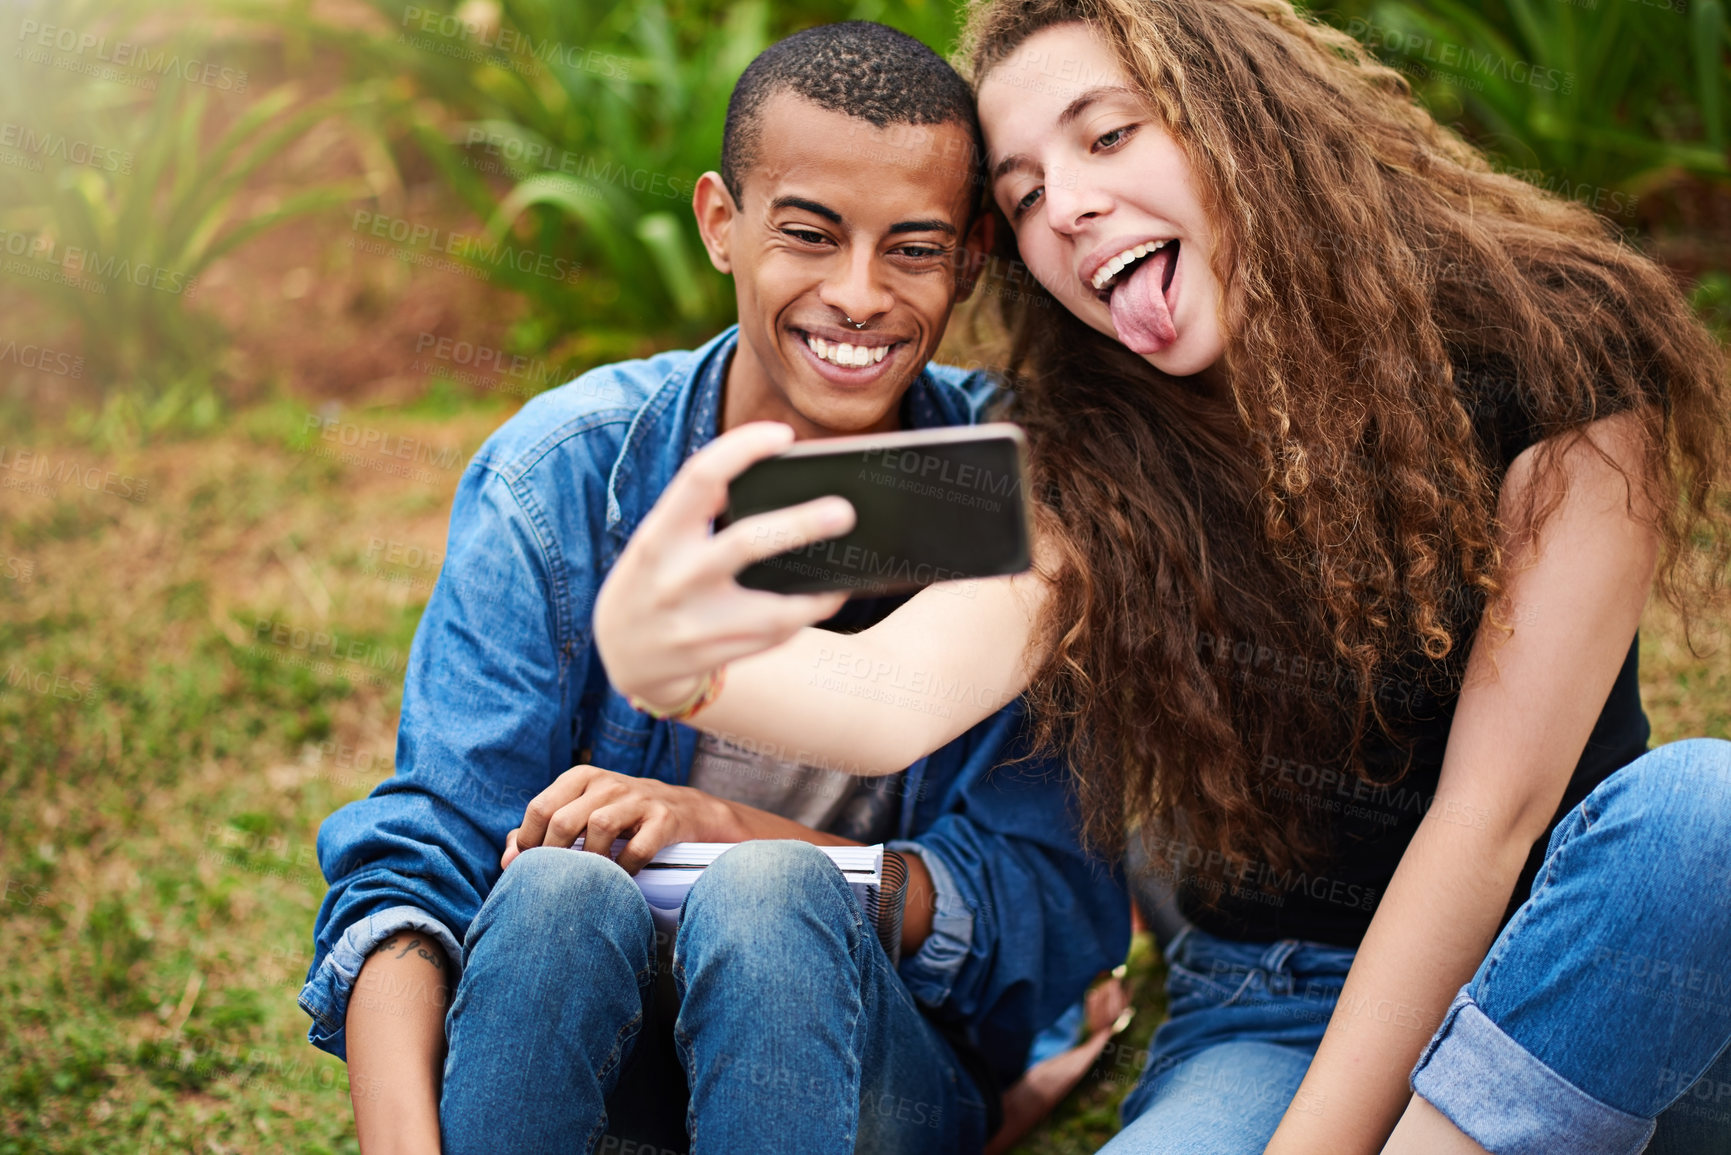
1370, 825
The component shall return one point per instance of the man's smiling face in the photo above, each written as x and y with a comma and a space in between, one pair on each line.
845, 254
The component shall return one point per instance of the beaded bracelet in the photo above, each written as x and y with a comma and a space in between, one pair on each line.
703, 695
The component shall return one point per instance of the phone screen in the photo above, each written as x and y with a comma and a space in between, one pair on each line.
932, 505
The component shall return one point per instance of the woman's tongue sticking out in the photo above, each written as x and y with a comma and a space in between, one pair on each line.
1139, 309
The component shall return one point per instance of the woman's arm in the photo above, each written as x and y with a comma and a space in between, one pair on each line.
869, 703
874, 702
1529, 702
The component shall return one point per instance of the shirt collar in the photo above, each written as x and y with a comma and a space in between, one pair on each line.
705, 417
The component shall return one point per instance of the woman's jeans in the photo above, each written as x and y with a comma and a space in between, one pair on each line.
788, 1029
1602, 1010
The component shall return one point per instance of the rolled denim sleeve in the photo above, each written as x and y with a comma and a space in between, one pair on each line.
931, 972
326, 995
493, 671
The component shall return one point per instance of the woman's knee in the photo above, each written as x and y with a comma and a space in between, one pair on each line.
1682, 787
1669, 810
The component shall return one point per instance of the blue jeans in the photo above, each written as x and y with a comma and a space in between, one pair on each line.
1598, 1023
785, 1028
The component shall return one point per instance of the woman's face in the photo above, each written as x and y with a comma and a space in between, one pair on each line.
1101, 199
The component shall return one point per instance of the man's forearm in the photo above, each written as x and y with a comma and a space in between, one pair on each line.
396, 1045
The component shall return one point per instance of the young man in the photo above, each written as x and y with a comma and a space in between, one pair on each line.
843, 211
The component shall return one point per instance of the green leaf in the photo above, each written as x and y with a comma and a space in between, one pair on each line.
661, 235
1708, 17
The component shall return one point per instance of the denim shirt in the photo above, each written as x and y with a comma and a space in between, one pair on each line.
504, 692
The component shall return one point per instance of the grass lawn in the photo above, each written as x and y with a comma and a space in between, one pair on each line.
203, 646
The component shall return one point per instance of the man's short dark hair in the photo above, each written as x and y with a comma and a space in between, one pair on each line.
859, 68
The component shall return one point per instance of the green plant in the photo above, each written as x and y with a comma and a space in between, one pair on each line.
1712, 300
578, 131
116, 244
1583, 96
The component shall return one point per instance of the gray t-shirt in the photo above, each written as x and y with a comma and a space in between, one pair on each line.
829, 800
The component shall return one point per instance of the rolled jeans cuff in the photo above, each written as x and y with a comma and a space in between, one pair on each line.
1510, 1103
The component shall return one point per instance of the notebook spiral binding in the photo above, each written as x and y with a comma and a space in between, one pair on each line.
886, 904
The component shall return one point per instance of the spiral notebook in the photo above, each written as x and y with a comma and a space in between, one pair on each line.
878, 877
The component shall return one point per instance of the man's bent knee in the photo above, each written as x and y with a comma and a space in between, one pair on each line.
759, 898
772, 873
549, 885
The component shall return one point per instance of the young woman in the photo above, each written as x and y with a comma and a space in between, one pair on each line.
1357, 464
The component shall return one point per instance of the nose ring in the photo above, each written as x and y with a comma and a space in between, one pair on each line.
854, 323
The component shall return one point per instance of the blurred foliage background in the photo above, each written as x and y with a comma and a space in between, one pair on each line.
576, 131
271, 269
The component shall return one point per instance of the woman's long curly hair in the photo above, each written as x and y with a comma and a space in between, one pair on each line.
1239, 583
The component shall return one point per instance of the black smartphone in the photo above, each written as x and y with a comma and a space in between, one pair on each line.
931, 505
